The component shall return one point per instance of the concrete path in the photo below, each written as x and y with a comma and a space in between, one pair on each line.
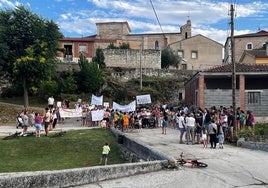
228, 167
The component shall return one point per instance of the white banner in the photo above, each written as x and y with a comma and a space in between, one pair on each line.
106, 104
96, 100
143, 99
131, 107
70, 112
97, 115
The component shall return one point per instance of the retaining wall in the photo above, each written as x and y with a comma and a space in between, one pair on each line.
80, 176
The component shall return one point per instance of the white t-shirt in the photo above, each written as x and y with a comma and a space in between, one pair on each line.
50, 101
190, 122
181, 120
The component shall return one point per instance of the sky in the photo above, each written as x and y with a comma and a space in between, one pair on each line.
210, 18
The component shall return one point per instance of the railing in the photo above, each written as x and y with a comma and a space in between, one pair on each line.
68, 58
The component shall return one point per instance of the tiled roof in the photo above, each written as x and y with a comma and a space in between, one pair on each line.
258, 53
240, 67
259, 33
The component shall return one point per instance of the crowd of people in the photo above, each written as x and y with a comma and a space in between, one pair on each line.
196, 126
48, 119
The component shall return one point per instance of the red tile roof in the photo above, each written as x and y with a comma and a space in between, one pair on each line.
259, 33
240, 67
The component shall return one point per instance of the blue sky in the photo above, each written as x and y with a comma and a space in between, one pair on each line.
77, 18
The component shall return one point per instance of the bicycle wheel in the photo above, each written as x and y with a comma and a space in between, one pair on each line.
181, 162
201, 165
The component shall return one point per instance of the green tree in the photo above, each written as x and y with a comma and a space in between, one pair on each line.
99, 58
90, 77
124, 46
112, 46
29, 44
168, 58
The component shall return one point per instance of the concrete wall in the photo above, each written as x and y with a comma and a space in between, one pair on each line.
217, 97
260, 109
74, 177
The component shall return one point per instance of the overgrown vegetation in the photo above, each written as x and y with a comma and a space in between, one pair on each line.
258, 134
74, 149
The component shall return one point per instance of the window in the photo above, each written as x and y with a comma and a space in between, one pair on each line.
194, 54
183, 66
180, 53
254, 97
156, 45
249, 46
82, 48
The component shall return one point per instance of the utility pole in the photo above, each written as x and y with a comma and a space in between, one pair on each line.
141, 49
234, 66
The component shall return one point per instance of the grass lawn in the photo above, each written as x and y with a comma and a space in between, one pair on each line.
75, 149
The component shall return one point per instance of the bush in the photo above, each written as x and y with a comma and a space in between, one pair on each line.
258, 133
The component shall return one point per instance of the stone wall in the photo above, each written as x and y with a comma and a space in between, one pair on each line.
127, 58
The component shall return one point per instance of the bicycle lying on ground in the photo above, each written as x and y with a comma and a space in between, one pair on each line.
58, 134
18, 134
15, 135
190, 163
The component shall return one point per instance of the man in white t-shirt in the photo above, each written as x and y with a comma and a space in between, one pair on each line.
50, 102
190, 126
181, 124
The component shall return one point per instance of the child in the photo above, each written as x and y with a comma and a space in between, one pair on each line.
165, 125
204, 138
220, 136
105, 151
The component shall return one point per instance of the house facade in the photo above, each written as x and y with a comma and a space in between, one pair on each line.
213, 87
259, 56
194, 49
198, 52
244, 42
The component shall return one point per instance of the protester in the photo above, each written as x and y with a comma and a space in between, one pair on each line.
47, 117
204, 137
165, 124
212, 134
38, 124
50, 102
220, 135
190, 126
181, 124
25, 119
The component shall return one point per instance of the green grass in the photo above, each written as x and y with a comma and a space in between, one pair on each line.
74, 149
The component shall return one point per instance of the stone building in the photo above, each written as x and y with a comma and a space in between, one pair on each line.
259, 56
198, 52
195, 49
250, 41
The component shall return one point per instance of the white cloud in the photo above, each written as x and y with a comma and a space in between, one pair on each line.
209, 17
7, 3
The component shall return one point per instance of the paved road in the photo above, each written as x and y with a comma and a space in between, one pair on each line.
228, 167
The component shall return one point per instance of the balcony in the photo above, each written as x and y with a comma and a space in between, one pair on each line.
68, 58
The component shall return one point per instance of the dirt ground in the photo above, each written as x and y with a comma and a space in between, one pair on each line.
9, 112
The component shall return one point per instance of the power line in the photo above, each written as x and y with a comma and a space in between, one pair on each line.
157, 19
